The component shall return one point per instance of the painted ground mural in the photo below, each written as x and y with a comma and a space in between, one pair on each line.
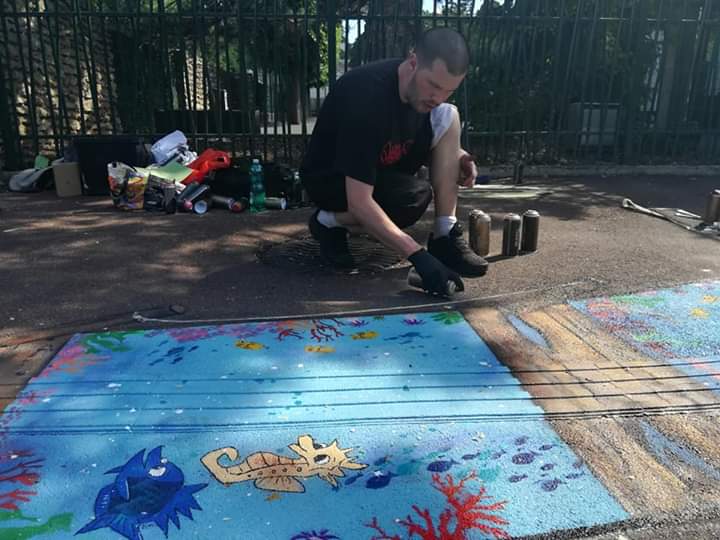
377, 427
678, 326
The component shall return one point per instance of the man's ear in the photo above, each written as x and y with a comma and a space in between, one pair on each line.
413, 60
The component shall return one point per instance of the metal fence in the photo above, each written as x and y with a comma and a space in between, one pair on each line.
551, 81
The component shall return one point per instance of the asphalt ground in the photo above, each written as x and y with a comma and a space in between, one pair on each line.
69, 265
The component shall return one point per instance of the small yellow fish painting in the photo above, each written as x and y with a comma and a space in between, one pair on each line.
369, 334
274, 496
249, 345
319, 349
699, 313
709, 299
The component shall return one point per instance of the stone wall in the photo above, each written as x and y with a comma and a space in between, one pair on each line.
51, 89
58, 71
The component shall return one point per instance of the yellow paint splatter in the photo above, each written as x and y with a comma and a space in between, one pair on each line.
699, 313
365, 335
273, 497
319, 349
709, 299
249, 345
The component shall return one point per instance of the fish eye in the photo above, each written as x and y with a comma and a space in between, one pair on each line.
157, 471
318, 446
322, 459
163, 461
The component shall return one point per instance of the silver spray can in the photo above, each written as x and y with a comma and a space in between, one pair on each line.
414, 280
712, 210
511, 235
530, 231
479, 232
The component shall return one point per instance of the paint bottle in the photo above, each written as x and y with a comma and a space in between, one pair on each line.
530, 231
479, 232
414, 280
712, 209
511, 235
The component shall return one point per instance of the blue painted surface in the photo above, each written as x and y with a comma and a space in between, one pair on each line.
668, 452
407, 396
678, 326
530, 332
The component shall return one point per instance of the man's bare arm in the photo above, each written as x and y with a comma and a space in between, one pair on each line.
368, 213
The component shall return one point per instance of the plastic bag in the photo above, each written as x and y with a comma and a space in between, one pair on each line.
127, 186
172, 147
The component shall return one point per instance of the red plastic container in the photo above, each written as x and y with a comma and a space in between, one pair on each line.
209, 160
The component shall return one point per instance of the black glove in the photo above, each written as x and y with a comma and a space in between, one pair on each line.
434, 274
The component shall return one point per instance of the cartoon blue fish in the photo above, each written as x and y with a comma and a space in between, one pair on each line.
379, 480
441, 466
144, 491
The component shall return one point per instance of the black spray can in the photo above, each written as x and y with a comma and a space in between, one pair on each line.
511, 235
220, 201
414, 280
530, 231
712, 210
479, 232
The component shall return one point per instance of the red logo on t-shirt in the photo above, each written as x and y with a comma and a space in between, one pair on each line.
393, 152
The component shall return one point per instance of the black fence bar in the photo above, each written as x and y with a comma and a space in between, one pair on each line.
551, 81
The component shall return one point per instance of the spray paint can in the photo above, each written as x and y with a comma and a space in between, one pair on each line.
511, 235
479, 232
187, 190
276, 203
220, 201
530, 231
712, 210
195, 196
200, 206
414, 280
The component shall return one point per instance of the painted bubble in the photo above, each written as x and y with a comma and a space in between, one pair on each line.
523, 458
551, 485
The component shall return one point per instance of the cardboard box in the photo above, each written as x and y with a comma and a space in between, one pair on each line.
67, 179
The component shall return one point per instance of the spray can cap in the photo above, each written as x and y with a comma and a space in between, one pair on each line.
200, 207
256, 161
532, 213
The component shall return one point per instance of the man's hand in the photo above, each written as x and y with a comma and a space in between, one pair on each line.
468, 170
434, 274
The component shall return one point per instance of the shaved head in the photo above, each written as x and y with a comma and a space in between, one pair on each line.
443, 44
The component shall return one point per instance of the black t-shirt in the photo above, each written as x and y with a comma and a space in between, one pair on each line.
363, 127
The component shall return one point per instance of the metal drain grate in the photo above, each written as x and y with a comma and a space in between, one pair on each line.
303, 254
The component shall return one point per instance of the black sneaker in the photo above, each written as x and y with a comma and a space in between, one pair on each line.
455, 253
333, 243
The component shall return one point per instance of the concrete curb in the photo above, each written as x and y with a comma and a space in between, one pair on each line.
544, 171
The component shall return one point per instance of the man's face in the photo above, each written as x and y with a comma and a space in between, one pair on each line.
431, 85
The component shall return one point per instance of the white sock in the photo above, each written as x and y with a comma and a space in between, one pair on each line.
443, 224
328, 219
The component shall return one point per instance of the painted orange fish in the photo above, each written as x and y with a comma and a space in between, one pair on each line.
249, 345
368, 334
325, 349
272, 472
